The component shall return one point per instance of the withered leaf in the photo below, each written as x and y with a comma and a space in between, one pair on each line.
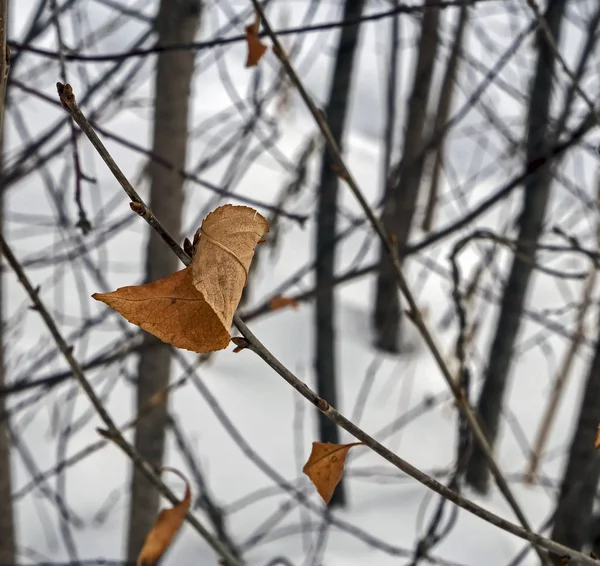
225, 248
597, 439
256, 49
165, 527
173, 310
280, 302
325, 466
193, 308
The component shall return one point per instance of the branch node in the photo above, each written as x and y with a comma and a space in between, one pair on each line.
188, 247
137, 207
65, 94
240, 344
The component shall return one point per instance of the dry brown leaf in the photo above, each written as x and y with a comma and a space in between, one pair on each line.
256, 49
165, 527
279, 302
325, 466
224, 250
193, 308
173, 310
597, 439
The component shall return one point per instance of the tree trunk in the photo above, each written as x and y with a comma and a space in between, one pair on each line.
535, 199
391, 96
573, 516
177, 22
401, 192
7, 526
442, 115
325, 365
7, 532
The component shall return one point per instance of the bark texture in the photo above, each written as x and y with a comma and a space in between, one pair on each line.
400, 199
177, 22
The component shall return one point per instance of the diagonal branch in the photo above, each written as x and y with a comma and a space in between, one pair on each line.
252, 342
388, 244
113, 432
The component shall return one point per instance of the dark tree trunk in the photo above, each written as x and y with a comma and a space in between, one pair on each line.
535, 199
391, 97
573, 516
177, 22
442, 114
7, 529
325, 343
402, 189
7, 526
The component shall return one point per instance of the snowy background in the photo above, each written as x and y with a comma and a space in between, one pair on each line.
247, 429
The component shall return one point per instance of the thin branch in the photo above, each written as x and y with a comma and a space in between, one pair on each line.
113, 433
83, 221
554, 46
65, 92
388, 243
153, 157
255, 345
219, 41
565, 370
4, 60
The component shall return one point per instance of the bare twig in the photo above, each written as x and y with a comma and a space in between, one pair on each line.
554, 46
398, 462
4, 60
565, 369
220, 41
255, 345
113, 432
65, 93
83, 221
388, 244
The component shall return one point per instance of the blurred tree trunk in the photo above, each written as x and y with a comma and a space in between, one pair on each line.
573, 517
442, 115
535, 198
7, 534
391, 96
177, 22
402, 188
325, 343
7, 526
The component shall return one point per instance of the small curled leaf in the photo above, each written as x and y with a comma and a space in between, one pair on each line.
165, 527
256, 49
279, 302
325, 466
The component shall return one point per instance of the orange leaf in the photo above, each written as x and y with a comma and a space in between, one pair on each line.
165, 527
325, 466
597, 439
193, 308
256, 49
279, 302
